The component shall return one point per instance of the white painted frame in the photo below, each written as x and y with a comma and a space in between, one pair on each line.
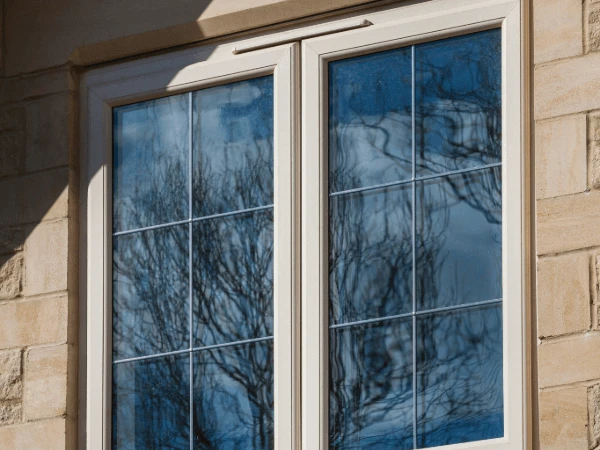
401, 27
103, 89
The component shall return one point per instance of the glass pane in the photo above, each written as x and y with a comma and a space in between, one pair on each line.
459, 239
233, 147
233, 398
371, 397
150, 163
150, 292
370, 120
458, 102
233, 278
370, 256
459, 376
151, 404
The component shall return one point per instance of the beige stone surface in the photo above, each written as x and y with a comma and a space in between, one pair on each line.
561, 156
563, 419
563, 294
11, 276
36, 85
569, 361
12, 239
35, 197
568, 223
594, 415
47, 132
43, 435
34, 322
594, 28
10, 412
46, 258
558, 29
567, 86
45, 382
11, 386
91, 31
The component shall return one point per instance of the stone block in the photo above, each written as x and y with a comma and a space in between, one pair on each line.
570, 360
47, 135
563, 419
594, 29
45, 382
12, 118
567, 86
11, 387
10, 412
12, 151
36, 85
594, 415
43, 435
35, 197
557, 29
12, 239
563, 294
595, 164
34, 322
11, 276
568, 223
561, 156
46, 258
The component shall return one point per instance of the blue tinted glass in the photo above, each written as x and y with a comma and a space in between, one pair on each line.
150, 163
370, 254
151, 402
233, 398
459, 376
370, 120
233, 278
150, 292
415, 250
371, 398
233, 147
458, 102
459, 239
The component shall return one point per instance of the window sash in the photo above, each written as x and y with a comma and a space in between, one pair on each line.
412, 27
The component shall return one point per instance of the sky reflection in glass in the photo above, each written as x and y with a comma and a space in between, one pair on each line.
206, 281
444, 231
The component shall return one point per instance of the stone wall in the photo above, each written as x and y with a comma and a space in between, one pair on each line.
38, 261
567, 149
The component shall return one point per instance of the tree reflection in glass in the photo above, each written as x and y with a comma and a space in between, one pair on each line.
415, 265
204, 281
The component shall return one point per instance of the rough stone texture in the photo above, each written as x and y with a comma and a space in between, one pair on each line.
571, 360
12, 150
10, 412
563, 419
563, 295
567, 86
561, 156
12, 118
594, 415
46, 258
568, 223
43, 435
47, 133
45, 382
34, 322
31, 198
594, 28
11, 387
11, 276
558, 27
13, 238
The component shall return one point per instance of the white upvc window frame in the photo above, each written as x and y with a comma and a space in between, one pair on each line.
301, 353
105, 89
404, 27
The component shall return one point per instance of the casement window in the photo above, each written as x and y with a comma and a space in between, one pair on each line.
311, 239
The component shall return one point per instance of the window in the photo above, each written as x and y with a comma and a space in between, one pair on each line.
338, 270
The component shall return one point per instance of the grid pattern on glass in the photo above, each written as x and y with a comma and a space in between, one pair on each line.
415, 255
193, 270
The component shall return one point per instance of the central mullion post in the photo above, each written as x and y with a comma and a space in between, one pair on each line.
414, 247
190, 262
